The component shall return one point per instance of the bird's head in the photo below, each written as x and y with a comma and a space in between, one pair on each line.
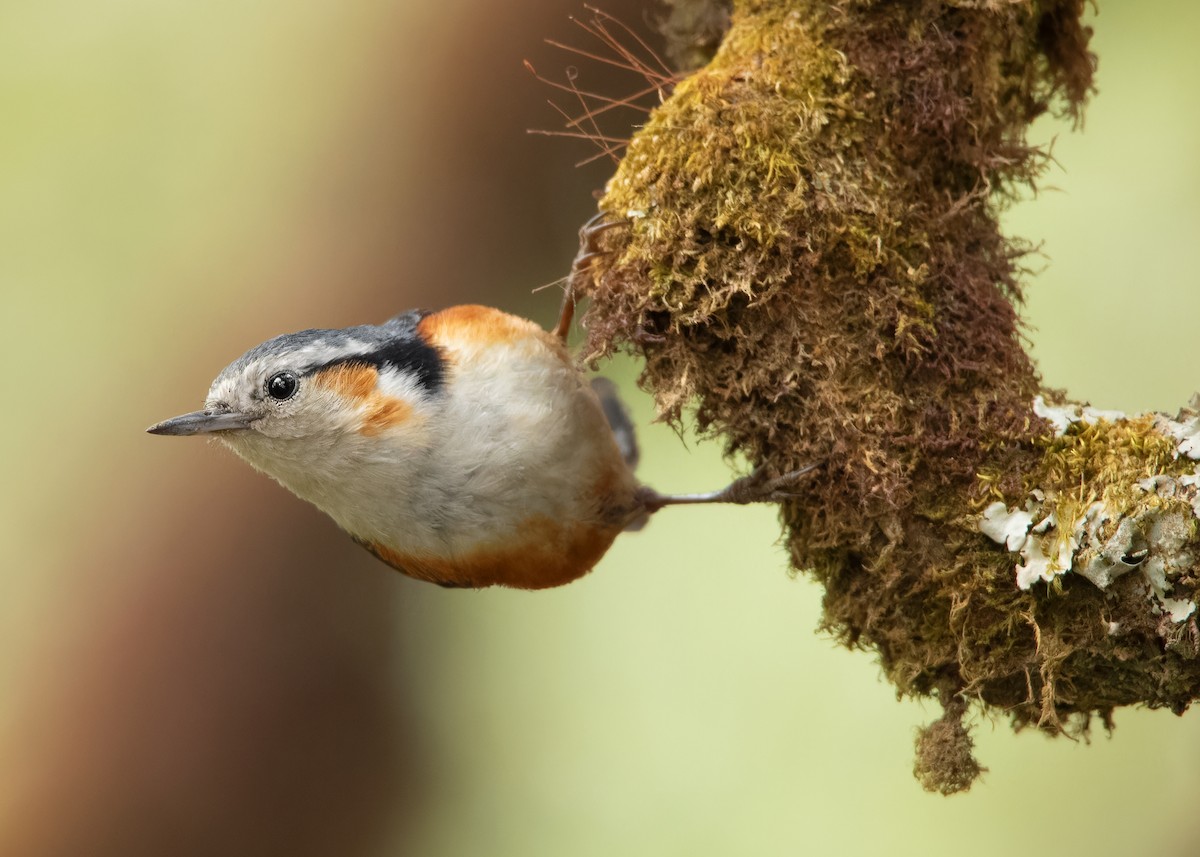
302, 403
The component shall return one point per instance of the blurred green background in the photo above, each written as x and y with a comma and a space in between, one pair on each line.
195, 662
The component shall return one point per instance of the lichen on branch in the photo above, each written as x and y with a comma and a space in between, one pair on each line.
813, 265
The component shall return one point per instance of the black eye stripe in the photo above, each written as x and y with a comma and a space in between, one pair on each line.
402, 348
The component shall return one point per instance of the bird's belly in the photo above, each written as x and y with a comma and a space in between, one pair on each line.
541, 553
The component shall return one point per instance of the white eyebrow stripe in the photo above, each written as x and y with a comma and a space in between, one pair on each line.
319, 353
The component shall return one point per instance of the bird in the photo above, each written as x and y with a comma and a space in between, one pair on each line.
462, 446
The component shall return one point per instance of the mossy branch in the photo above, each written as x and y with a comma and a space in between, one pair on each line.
813, 262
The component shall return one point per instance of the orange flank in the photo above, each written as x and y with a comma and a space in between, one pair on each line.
356, 382
478, 324
542, 553
383, 413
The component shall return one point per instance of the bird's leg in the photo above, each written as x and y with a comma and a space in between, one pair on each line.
588, 250
755, 488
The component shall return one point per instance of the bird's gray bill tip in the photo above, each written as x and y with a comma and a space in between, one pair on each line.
200, 422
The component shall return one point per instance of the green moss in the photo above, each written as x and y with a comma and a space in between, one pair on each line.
716, 168
1103, 459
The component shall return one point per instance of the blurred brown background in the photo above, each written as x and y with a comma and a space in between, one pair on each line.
195, 662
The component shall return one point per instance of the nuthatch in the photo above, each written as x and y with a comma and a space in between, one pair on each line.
461, 447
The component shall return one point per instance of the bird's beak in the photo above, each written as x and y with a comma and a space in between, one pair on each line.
202, 422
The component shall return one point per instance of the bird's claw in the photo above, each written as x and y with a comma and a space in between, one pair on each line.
581, 265
756, 487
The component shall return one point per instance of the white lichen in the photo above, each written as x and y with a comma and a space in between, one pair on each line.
1009, 528
1104, 560
1152, 539
1015, 529
1061, 416
1038, 564
1192, 480
1178, 608
1154, 536
1185, 430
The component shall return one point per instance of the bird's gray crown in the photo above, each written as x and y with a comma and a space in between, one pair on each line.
396, 343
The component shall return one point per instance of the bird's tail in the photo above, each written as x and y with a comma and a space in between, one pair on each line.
618, 420
622, 428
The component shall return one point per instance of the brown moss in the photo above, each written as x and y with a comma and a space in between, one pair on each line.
813, 263
945, 762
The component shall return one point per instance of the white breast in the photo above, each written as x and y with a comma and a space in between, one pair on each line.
515, 434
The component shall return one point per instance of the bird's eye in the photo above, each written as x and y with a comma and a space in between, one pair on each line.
282, 386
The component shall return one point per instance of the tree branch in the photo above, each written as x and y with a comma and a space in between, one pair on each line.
813, 261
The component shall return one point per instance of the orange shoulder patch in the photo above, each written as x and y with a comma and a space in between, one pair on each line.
480, 324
